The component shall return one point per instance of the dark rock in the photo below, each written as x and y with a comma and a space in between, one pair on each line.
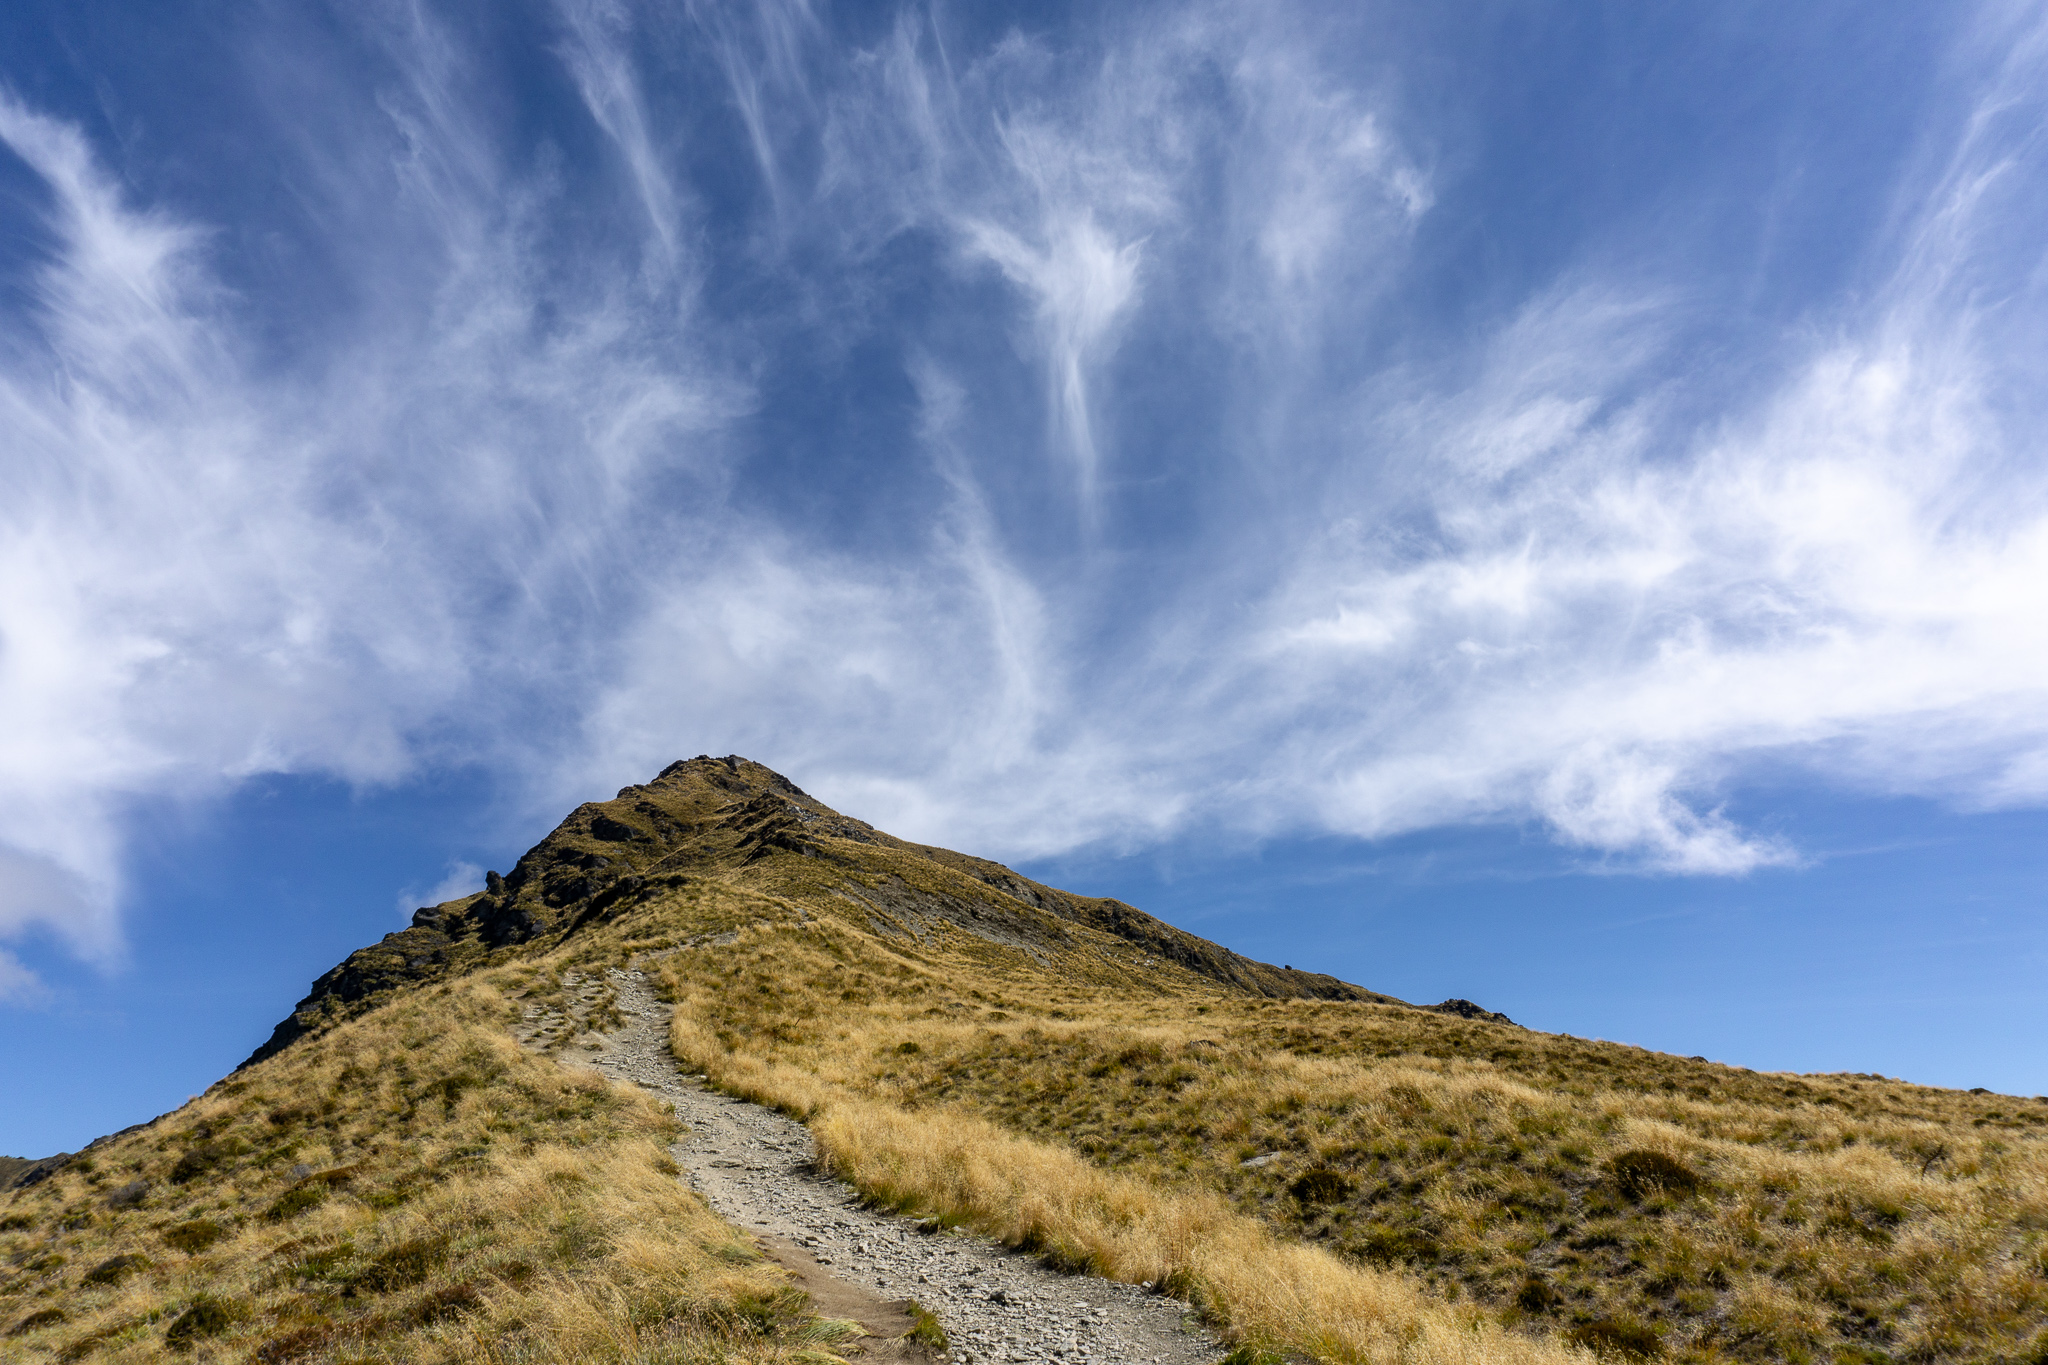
43, 1170
129, 1195
612, 831
573, 889
1465, 1009
363, 974
494, 884
515, 923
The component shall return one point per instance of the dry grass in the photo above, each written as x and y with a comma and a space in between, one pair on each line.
1350, 1180
1265, 1291
1273, 1293
1447, 1165
410, 1188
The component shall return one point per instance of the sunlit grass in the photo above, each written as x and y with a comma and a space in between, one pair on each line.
1478, 1165
410, 1187
1346, 1180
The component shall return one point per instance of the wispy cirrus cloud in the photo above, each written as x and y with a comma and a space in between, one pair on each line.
217, 568
1196, 515
1528, 580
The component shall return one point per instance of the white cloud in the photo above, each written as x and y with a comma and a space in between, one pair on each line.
461, 879
20, 986
216, 567
601, 62
1079, 279
1518, 578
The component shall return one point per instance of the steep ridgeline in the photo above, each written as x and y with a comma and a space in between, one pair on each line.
730, 819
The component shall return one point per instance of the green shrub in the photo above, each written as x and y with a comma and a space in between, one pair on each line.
1617, 1337
297, 1344
1253, 1355
48, 1317
198, 1159
206, 1316
295, 1201
193, 1237
925, 1329
399, 1266
115, 1269
1641, 1172
1397, 1246
440, 1305
1322, 1186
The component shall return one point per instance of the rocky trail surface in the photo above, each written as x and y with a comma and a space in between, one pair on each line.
758, 1170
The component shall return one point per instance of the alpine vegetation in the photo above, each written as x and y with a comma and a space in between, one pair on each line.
410, 1171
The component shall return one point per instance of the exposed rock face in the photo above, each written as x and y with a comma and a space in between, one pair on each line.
1465, 1009
713, 818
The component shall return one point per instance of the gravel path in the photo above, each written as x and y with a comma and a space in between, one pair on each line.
756, 1168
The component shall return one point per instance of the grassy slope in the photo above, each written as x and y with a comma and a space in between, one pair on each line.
1080, 1079
409, 1187
1840, 1218
1833, 1217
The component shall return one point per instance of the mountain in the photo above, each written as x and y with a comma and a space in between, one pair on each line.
420, 1164
718, 818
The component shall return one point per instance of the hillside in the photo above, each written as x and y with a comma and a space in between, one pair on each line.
403, 1187
720, 818
1323, 1170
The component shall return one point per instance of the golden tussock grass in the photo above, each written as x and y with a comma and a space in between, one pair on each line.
1265, 1291
1348, 1180
1271, 1292
1446, 1172
409, 1188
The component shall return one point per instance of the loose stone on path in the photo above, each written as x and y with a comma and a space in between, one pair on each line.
756, 1169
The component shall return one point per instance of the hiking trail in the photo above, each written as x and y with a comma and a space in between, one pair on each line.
758, 1170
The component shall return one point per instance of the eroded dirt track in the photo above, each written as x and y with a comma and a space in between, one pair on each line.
757, 1169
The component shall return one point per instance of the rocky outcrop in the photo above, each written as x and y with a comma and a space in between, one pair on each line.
1465, 1009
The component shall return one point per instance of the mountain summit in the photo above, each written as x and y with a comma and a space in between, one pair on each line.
734, 820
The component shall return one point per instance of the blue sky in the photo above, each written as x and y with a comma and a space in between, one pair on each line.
1536, 502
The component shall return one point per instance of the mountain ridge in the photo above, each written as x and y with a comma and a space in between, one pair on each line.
708, 817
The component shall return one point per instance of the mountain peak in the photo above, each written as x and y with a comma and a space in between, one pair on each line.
735, 820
